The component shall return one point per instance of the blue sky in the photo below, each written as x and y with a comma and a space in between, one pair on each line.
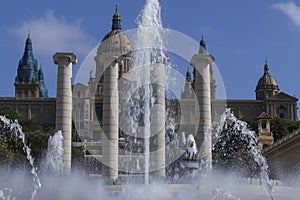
240, 34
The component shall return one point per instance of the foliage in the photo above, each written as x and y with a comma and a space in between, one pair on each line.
283, 127
279, 127
11, 147
36, 138
10, 114
6, 154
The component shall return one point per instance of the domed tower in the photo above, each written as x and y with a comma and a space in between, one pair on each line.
202, 63
112, 60
116, 43
27, 82
267, 85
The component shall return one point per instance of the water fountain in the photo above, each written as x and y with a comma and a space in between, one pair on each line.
53, 162
149, 69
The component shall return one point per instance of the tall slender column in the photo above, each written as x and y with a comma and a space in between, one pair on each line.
202, 63
110, 150
64, 102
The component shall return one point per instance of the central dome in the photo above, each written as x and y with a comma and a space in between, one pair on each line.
116, 41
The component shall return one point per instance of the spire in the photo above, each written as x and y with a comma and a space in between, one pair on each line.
116, 25
41, 73
43, 89
266, 67
28, 66
188, 76
187, 92
28, 44
202, 45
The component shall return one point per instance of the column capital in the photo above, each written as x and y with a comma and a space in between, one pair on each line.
69, 56
201, 59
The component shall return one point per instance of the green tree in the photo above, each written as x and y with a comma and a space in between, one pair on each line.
6, 154
36, 136
10, 114
282, 127
37, 139
12, 153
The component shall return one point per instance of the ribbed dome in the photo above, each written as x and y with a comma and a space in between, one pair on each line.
115, 42
267, 81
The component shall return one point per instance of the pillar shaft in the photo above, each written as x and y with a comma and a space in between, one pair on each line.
110, 148
202, 64
64, 103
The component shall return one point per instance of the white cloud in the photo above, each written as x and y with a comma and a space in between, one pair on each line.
51, 34
291, 10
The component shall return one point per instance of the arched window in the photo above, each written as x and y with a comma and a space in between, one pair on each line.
99, 114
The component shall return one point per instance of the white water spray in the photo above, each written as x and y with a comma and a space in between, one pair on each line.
55, 152
235, 129
148, 63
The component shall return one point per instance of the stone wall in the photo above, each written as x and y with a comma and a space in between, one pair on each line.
39, 110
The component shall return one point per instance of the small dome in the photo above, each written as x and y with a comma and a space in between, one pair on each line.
267, 85
267, 81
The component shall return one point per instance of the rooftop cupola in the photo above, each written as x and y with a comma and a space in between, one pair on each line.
267, 85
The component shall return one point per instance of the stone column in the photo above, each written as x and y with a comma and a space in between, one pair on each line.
64, 103
110, 149
202, 64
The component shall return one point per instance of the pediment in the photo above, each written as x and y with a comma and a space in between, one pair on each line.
282, 96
